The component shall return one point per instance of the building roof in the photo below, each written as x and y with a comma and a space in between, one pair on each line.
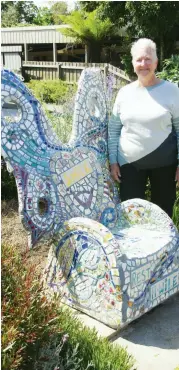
34, 35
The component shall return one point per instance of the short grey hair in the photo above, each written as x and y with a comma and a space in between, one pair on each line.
146, 44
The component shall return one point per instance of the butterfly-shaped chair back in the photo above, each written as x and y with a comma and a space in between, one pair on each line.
57, 181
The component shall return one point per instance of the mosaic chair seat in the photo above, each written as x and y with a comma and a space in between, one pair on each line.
115, 261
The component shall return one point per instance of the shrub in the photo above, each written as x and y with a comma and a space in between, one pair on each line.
51, 91
26, 313
170, 69
38, 335
98, 352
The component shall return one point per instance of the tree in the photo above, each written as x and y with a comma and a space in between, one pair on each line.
10, 17
44, 17
57, 9
4, 6
114, 10
89, 30
49, 16
27, 11
157, 20
89, 6
15, 12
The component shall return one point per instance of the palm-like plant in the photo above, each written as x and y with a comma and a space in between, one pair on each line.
90, 30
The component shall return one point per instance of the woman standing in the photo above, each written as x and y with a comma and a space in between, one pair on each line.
143, 135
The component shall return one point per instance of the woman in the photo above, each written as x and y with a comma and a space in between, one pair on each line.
143, 136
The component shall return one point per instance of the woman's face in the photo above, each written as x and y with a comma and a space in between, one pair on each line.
144, 64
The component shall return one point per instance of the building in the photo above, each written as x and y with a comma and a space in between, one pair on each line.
47, 44
42, 43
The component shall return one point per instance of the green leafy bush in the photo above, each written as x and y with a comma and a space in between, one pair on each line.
98, 352
170, 69
51, 91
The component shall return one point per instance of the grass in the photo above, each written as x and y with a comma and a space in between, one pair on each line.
38, 335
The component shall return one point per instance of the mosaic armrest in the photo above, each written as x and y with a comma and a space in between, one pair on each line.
142, 212
82, 266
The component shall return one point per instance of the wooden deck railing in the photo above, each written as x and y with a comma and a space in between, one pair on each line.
69, 72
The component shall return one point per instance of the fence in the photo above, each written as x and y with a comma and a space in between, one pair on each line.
69, 72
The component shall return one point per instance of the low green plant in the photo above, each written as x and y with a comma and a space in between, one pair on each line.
39, 335
51, 91
57, 354
62, 121
62, 124
26, 312
98, 352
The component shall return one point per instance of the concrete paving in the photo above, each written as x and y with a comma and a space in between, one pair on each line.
153, 339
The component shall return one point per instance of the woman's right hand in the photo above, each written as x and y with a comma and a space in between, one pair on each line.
115, 172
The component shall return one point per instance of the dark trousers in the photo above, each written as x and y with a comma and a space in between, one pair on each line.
162, 181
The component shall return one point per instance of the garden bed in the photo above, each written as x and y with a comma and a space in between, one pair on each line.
39, 335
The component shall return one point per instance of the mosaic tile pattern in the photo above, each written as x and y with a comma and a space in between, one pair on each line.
115, 261
70, 180
87, 274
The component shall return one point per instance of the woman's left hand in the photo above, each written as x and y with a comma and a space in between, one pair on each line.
177, 175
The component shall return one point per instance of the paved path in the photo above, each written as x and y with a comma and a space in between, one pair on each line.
153, 339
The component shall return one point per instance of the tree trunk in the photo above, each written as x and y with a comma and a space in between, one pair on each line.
94, 53
86, 53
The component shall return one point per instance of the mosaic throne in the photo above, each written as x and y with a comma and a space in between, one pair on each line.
114, 261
